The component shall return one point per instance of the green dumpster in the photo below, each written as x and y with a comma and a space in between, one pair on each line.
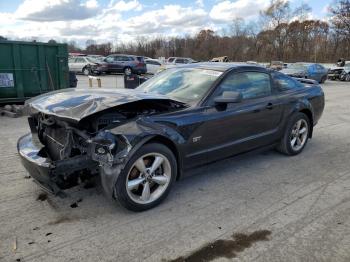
28, 69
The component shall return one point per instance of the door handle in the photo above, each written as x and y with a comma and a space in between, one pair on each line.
269, 106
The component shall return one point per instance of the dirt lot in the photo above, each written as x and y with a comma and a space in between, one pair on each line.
264, 207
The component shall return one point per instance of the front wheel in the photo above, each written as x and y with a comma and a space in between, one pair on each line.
147, 178
296, 135
86, 71
347, 77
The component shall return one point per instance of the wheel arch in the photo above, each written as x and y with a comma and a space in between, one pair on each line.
309, 114
125, 67
172, 146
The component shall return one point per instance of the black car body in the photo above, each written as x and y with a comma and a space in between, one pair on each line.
211, 111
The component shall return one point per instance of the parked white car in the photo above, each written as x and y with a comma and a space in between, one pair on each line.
153, 65
179, 60
82, 64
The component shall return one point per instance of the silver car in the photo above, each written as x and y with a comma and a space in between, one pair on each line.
82, 64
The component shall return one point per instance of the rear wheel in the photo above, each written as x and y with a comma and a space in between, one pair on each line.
127, 71
147, 177
296, 135
323, 79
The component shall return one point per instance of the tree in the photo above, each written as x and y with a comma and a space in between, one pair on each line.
278, 12
340, 12
302, 12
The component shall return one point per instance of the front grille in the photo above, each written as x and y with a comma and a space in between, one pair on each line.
336, 71
54, 140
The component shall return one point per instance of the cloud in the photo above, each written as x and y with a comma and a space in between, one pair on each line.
169, 18
56, 10
227, 10
120, 20
200, 3
122, 6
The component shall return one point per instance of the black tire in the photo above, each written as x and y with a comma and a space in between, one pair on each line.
347, 77
323, 79
127, 71
121, 189
86, 71
285, 146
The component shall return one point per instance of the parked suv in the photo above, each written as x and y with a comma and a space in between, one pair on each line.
126, 64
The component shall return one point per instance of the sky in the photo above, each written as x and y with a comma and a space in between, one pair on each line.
119, 21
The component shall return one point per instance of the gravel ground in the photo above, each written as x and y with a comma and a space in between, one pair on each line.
262, 207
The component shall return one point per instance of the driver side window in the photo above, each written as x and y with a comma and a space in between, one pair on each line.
249, 84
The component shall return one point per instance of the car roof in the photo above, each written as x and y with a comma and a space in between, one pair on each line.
122, 55
221, 66
307, 63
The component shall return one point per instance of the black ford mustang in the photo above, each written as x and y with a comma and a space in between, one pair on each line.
140, 141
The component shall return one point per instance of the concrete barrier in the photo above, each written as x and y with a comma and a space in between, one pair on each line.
96, 78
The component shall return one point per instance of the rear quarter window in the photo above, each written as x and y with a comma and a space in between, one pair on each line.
140, 59
285, 83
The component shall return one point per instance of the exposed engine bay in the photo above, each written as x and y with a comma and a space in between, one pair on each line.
83, 147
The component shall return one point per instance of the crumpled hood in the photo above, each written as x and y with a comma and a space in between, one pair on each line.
76, 104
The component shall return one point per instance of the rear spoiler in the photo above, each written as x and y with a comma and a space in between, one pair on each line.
306, 81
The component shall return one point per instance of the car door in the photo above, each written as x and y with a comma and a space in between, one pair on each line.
71, 64
321, 71
237, 127
110, 62
179, 61
80, 63
152, 66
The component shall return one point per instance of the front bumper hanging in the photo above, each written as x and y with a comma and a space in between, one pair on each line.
48, 174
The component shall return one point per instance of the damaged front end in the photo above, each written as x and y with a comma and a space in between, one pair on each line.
60, 153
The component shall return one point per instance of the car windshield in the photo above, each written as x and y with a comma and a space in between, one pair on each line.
297, 66
185, 84
93, 59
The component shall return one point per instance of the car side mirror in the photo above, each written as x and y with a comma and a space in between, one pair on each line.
229, 97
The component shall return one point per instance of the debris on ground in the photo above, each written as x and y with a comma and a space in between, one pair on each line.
47, 234
42, 197
74, 205
15, 244
12, 110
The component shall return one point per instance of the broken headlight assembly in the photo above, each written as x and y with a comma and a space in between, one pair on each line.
103, 147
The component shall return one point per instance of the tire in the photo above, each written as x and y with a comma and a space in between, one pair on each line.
347, 77
86, 71
127, 71
290, 134
323, 80
140, 196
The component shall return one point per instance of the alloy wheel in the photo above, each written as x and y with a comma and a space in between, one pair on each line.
148, 178
86, 71
127, 71
299, 134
